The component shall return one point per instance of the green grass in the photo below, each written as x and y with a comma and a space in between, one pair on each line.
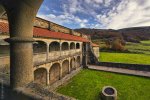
124, 58
146, 42
143, 47
139, 53
88, 84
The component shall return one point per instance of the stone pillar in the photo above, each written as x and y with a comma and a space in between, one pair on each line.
69, 65
60, 48
47, 79
60, 70
47, 52
21, 15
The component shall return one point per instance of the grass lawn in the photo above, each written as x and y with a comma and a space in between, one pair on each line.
88, 83
141, 48
124, 58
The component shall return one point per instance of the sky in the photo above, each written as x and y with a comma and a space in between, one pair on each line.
99, 14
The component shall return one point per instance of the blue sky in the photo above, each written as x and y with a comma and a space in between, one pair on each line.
102, 14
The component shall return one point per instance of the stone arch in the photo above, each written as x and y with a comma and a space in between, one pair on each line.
65, 67
65, 46
54, 73
39, 47
77, 45
54, 46
21, 37
2, 10
40, 75
72, 45
78, 61
72, 64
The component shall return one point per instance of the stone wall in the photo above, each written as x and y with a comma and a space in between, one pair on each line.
76, 33
96, 51
39, 57
41, 23
139, 67
64, 79
59, 28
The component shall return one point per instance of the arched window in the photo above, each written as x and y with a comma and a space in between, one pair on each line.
77, 46
54, 46
65, 67
39, 47
54, 73
72, 45
72, 64
65, 46
40, 75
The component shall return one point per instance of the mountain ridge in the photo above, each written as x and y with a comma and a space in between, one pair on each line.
132, 34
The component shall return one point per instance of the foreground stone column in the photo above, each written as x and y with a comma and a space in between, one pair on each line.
21, 14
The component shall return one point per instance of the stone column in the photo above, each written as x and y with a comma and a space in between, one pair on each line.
47, 79
47, 53
69, 65
75, 62
21, 14
60, 48
60, 70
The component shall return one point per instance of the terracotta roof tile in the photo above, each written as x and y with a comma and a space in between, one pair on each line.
4, 27
95, 45
39, 32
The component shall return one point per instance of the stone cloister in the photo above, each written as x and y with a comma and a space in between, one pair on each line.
41, 51
56, 67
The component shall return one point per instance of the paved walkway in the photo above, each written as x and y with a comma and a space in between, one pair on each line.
120, 70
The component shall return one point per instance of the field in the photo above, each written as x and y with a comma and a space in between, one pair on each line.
141, 48
88, 84
139, 53
124, 58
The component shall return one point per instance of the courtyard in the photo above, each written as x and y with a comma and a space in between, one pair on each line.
88, 83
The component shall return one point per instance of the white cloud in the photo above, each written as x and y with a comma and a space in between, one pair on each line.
63, 19
103, 13
127, 14
51, 16
107, 2
82, 25
45, 8
92, 1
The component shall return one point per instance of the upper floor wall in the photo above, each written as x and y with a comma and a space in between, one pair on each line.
42, 23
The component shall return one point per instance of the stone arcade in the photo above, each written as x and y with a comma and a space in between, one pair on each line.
54, 51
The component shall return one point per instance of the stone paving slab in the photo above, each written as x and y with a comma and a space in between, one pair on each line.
120, 70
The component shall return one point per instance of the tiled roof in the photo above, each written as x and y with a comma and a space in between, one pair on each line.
95, 45
4, 27
39, 32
